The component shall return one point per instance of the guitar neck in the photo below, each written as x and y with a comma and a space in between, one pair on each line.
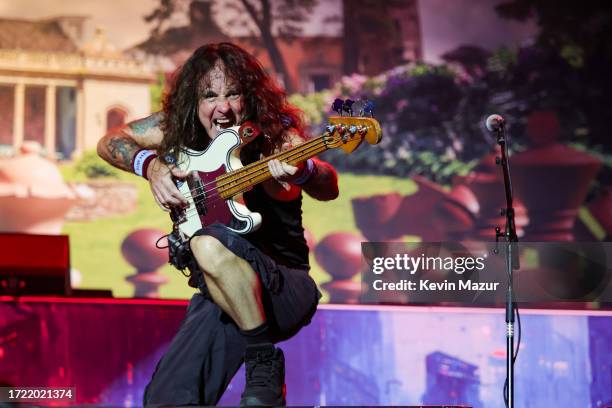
241, 180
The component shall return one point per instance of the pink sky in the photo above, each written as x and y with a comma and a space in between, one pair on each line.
445, 23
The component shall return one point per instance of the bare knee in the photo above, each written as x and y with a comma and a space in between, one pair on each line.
215, 260
212, 256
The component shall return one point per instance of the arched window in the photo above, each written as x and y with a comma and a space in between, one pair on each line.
115, 117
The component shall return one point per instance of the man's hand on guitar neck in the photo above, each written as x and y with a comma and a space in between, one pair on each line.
162, 183
284, 174
316, 178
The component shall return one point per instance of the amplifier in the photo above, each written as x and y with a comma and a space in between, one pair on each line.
34, 264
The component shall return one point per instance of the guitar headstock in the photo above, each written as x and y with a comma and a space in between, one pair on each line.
347, 132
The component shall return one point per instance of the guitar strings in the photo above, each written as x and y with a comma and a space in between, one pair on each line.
192, 211
238, 174
246, 169
245, 172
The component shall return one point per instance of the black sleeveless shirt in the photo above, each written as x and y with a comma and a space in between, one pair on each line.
281, 235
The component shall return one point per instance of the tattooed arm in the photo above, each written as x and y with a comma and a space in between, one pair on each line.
119, 146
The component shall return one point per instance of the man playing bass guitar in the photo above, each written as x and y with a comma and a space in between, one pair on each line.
254, 288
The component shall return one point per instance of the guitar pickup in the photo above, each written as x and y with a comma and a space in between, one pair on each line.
198, 192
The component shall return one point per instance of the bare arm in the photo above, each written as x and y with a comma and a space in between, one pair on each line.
323, 185
119, 146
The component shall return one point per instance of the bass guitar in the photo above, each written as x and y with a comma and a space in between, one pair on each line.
217, 178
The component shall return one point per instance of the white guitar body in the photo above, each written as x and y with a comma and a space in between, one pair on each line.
201, 188
216, 177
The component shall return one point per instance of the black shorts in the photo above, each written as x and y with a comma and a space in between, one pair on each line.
208, 348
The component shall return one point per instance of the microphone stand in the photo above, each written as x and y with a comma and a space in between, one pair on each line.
512, 262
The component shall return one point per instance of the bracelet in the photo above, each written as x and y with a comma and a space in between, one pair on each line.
141, 161
309, 170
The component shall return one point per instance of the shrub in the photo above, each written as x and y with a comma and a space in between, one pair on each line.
92, 166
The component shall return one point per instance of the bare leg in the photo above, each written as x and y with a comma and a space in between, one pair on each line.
232, 283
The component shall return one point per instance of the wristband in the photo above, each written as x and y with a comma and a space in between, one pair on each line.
141, 161
309, 170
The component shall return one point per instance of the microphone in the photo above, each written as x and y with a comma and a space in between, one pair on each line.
495, 123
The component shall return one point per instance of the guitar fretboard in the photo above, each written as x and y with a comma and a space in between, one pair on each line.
241, 180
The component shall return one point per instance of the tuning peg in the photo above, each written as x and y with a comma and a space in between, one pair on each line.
368, 109
358, 107
348, 106
337, 105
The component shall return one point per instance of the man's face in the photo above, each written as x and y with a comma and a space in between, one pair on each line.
221, 102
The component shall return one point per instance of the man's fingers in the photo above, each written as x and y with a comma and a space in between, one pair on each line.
167, 195
173, 197
282, 171
287, 168
178, 196
159, 203
178, 173
273, 167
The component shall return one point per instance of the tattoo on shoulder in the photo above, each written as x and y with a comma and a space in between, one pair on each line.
122, 149
140, 127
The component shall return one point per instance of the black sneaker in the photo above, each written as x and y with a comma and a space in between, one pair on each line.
265, 376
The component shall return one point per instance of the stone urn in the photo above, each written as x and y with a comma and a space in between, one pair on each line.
139, 250
486, 182
339, 254
455, 215
33, 195
387, 217
374, 213
551, 179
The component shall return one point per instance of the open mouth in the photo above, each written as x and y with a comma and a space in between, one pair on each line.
223, 123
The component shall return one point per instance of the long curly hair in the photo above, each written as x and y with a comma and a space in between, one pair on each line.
264, 102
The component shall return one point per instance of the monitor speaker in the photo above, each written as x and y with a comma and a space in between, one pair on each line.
34, 264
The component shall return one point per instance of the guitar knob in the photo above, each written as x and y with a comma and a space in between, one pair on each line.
330, 129
358, 107
352, 129
337, 105
368, 109
348, 106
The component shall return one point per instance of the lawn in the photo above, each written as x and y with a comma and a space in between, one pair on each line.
95, 245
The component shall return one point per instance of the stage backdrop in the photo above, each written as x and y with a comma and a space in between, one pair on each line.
434, 70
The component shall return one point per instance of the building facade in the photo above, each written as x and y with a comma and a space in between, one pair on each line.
63, 92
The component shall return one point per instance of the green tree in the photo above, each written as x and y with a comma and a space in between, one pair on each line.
567, 23
272, 19
577, 32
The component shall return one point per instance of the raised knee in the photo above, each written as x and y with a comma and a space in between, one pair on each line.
210, 254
